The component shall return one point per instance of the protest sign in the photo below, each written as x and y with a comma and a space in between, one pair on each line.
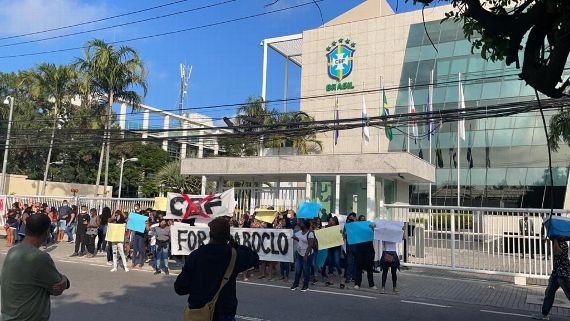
200, 207
308, 210
329, 237
267, 216
160, 204
136, 222
270, 244
359, 232
389, 231
115, 232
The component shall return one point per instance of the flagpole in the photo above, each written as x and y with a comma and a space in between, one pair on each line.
362, 132
430, 92
335, 113
408, 131
380, 108
459, 148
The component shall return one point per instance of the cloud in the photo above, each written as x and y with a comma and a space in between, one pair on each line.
25, 16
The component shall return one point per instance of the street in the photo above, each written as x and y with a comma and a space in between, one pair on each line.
96, 294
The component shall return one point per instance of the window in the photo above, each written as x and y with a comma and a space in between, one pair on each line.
458, 65
522, 136
510, 88
490, 90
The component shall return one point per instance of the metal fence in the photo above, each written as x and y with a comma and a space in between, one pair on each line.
280, 198
490, 240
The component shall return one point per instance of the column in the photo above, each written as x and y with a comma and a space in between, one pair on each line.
184, 144
264, 72
216, 147
123, 118
165, 126
370, 197
146, 115
337, 195
200, 144
308, 186
204, 183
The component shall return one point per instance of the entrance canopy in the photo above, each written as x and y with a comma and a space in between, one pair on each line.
397, 166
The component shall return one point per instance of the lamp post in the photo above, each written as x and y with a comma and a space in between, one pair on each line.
9, 100
123, 161
46, 175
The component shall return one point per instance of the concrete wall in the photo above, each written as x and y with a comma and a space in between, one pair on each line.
21, 185
379, 56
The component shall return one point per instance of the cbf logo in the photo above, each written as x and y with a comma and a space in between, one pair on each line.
340, 56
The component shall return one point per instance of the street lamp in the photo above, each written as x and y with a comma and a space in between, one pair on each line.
46, 175
123, 161
8, 101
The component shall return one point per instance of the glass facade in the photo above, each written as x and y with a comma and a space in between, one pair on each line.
509, 154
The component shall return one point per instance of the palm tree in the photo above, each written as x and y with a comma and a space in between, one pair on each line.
113, 72
54, 85
169, 175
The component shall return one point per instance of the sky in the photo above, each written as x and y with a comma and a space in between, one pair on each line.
226, 59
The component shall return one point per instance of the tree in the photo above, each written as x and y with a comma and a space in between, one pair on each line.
173, 181
113, 74
53, 85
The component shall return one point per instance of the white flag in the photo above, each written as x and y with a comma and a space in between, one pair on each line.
365, 129
461, 124
412, 112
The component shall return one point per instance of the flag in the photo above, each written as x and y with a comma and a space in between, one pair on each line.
336, 125
461, 124
412, 112
386, 112
438, 154
431, 126
365, 129
469, 152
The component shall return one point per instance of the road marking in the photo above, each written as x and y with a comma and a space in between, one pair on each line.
426, 304
311, 290
508, 313
243, 317
65, 261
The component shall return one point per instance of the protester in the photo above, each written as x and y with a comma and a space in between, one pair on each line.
91, 234
64, 212
364, 258
266, 268
11, 225
389, 260
138, 246
334, 255
162, 233
559, 277
54, 218
205, 267
21, 229
118, 247
284, 267
83, 219
304, 255
350, 251
152, 243
29, 276
102, 230
71, 224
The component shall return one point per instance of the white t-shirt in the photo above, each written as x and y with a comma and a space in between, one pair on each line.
153, 235
303, 242
388, 246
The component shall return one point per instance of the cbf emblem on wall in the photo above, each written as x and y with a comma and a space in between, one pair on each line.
340, 56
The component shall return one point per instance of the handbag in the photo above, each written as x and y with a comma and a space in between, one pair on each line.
388, 258
206, 313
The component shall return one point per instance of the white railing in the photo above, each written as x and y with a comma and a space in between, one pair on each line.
490, 240
280, 198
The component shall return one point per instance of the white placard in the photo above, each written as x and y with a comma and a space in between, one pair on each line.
389, 231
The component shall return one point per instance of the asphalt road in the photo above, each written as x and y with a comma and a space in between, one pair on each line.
97, 294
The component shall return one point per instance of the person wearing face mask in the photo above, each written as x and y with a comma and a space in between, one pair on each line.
24, 297
83, 219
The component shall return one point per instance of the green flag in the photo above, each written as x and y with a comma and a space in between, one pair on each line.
386, 112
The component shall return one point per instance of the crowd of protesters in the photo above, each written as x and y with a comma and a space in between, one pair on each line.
87, 228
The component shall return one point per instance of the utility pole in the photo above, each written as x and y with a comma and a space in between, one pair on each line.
8, 100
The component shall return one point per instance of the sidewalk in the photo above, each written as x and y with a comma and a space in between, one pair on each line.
414, 283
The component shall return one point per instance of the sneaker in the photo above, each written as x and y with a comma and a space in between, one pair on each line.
245, 279
126, 270
540, 317
109, 263
167, 272
90, 256
74, 254
396, 291
356, 287
383, 291
305, 289
293, 288
157, 272
113, 270
374, 287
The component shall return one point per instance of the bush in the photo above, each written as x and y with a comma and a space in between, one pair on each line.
443, 221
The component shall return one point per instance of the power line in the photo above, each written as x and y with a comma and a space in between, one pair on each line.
119, 25
94, 21
166, 33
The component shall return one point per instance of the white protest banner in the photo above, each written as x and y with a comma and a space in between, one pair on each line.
389, 231
270, 244
200, 207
